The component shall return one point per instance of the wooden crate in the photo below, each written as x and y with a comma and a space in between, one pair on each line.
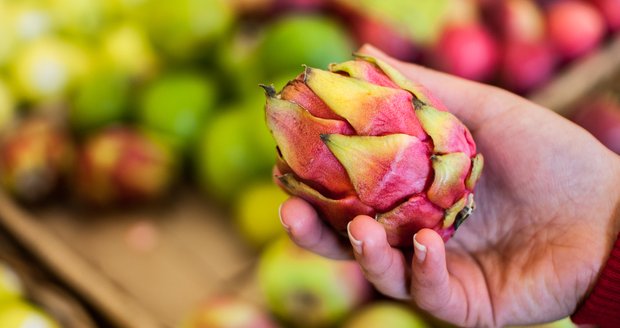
147, 267
185, 251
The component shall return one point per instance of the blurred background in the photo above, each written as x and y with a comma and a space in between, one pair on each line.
135, 164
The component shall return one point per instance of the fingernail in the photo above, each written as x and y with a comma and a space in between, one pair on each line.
286, 227
420, 250
357, 244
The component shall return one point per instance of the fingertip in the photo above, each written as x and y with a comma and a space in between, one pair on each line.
367, 230
296, 214
429, 238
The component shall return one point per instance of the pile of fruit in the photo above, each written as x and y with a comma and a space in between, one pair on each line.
116, 102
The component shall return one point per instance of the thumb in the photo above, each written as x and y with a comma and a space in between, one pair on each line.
470, 101
432, 287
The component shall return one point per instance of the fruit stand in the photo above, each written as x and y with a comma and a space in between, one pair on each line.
161, 209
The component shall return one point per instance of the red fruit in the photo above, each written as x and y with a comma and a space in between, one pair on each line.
521, 20
468, 51
575, 27
34, 158
527, 65
601, 117
362, 138
384, 37
121, 165
611, 11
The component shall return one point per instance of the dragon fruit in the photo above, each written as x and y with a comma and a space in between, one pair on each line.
363, 139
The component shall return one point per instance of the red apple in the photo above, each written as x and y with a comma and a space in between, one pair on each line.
527, 65
520, 20
35, 157
575, 27
601, 117
121, 165
611, 11
469, 51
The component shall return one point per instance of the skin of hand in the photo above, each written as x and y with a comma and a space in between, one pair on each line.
548, 213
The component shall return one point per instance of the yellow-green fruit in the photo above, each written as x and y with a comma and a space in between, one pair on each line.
78, 17
386, 314
18, 314
102, 98
292, 41
48, 67
179, 27
307, 290
11, 287
7, 106
225, 154
177, 104
127, 47
257, 212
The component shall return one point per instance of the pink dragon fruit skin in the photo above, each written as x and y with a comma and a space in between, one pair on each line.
361, 138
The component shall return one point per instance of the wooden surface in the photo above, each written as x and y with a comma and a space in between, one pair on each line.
580, 79
189, 254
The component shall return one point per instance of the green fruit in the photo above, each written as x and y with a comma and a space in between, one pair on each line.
7, 106
47, 68
127, 47
100, 100
225, 159
257, 213
386, 314
307, 290
311, 40
179, 27
78, 17
423, 21
237, 62
19, 314
10, 285
177, 104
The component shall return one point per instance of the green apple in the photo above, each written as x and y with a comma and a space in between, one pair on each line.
22, 22
423, 21
7, 106
225, 154
82, 18
179, 27
102, 98
19, 314
177, 104
228, 312
256, 211
127, 47
307, 290
386, 314
292, 41
47, 68
11, 287
237, 61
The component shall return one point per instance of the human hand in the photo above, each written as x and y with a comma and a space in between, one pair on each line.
548, 212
